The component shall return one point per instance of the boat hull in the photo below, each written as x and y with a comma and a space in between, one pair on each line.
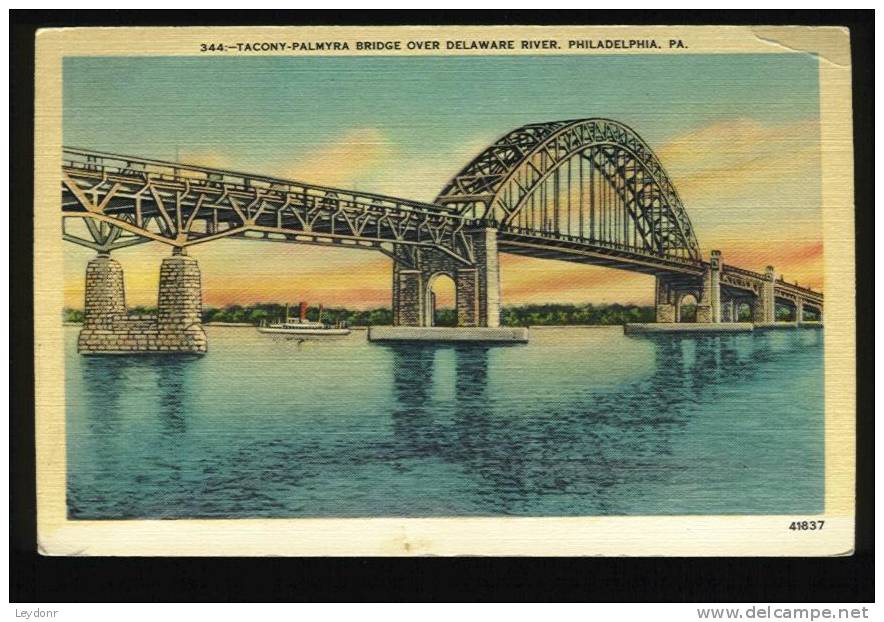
305, 332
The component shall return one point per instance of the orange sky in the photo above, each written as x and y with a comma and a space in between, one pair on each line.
751, 191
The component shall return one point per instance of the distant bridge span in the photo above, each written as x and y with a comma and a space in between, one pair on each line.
587, 191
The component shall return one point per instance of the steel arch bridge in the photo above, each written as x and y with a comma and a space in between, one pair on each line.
586, 190
593, 179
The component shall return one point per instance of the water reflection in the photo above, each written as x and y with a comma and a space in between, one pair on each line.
412, 415
575, 449
582, 423
129, 401
589, 448
173, 382
163, 384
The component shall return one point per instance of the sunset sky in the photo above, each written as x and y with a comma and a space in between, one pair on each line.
738, 134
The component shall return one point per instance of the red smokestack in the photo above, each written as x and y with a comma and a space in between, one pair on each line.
303, 311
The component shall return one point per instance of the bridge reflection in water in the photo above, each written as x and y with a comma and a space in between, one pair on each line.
675, 424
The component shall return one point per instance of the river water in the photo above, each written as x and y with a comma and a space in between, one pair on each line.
580, 421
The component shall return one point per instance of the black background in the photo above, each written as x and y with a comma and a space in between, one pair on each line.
34, 578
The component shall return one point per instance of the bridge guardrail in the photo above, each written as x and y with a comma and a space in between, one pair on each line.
795, 286
96, 161
129, 166
779, 282
750, 273
687, 261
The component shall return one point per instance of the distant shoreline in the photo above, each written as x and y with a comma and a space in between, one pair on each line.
247, 325
244, 324
551, 314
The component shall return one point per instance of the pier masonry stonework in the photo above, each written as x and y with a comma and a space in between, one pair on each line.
466, 284
105, 303
665, 301
764, 305
177, 327
709, 302
711, 308
408, 307
488, 260
477, 287
180, 305
728, 311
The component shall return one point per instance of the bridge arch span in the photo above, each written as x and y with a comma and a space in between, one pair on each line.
518, 196
592, 179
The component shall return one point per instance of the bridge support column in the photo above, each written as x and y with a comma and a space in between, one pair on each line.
799, 311
108, 329
764, 308
466, 285
728, 311
488, 263
665, 309
105, 303
477, 287
408, 297
180, 305
709, 305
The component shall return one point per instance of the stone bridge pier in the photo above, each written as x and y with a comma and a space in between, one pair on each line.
716, 303
176, 327
764, 308
672, 289
477, 286
729, 311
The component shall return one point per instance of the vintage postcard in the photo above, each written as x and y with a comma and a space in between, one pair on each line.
444, 291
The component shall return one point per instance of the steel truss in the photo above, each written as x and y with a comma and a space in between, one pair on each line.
125, 201
622, 191
740, 279
588, 191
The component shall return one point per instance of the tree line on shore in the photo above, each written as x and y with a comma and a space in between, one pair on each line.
522, 315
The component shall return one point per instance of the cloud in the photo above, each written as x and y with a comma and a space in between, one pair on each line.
740, 149
361, 159
753, 191
527, 280
421, 176
794, 260
353, 160
208, 158
748, 178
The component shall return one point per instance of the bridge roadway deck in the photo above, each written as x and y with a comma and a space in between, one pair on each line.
164, 201
581, 250
181, 205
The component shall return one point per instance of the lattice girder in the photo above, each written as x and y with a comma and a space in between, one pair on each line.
498, 182
182, 206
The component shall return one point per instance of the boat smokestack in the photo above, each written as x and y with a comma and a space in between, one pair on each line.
303, 311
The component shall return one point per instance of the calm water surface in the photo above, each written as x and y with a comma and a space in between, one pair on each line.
578, 422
